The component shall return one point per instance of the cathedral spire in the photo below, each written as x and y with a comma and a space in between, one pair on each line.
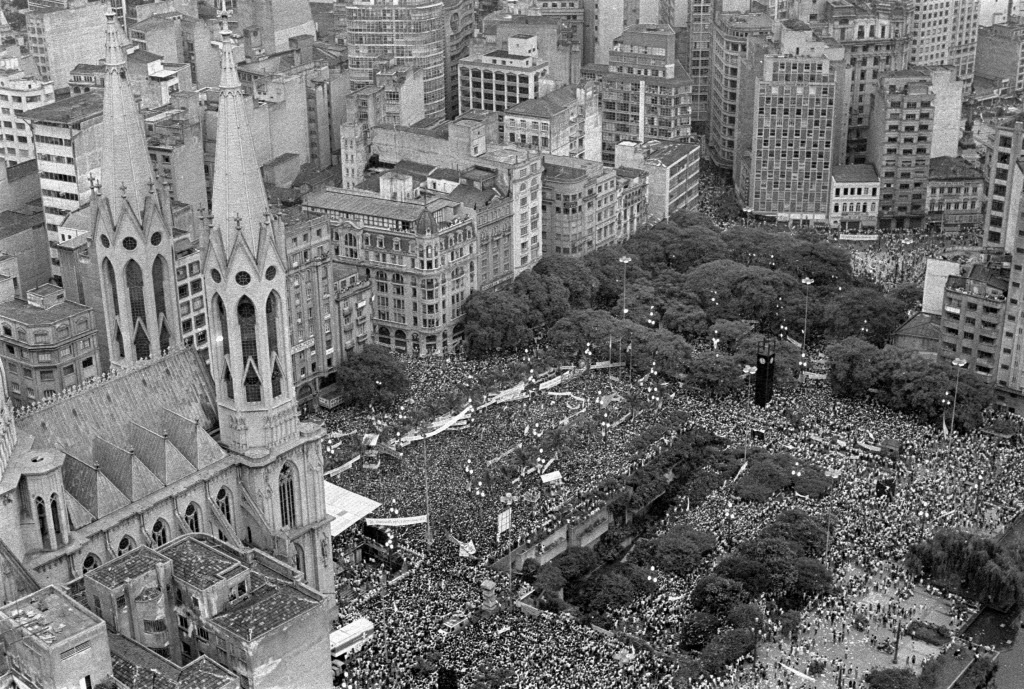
124, 162
239, 199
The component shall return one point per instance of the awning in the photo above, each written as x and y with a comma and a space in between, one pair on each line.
346, 507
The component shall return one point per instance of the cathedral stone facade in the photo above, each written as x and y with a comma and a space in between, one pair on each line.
162, 448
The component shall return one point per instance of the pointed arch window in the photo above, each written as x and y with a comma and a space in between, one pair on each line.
120, 341
225, 344
250, 354
272, 323
300, 560
136, 299
137, 302
159, 533
159, 300
108, 270
192, 517
286, 494
127, 543
224, 503
55, 513
90, 563
275, 380
44, 529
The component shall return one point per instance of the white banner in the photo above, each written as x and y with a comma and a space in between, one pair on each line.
398, 521
504, 521
553, 476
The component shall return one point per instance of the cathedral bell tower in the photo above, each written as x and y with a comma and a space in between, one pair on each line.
131, 225
246, 285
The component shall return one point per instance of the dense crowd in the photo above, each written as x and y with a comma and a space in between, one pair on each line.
962, 482
897, 259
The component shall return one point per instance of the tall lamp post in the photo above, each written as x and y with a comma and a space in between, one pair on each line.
625, 261
426, 484
807, 282
958, 363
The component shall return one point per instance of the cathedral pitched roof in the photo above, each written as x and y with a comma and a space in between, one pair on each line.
142, 396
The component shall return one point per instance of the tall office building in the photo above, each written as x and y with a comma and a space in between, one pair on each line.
945, 32
410, 31
877, 36
500, 79
730, 35
19, 93
604, 22
1001, 54
68, 143
915, 116
645, 91
699, 58
460, 21
791, 128
59, 38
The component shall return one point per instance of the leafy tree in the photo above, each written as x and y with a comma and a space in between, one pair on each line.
714, 373
717, 595
574, 275
805, 532
891, 678
746, 616
549, 578
864, 312
678, 244
697, 628
686, 319
726, 648
495, 323
544, 295
372, 377
678, 551
853, 367
576, 563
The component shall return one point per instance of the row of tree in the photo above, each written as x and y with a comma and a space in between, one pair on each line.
909, 384
685, 277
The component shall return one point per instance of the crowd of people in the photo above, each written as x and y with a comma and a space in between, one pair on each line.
474, 472
903, 258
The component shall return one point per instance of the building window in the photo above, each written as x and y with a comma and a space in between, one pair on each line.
127, 543
90, 563
55, 513
192, 517
154, 626
44, 530
137, 303
159, 533
250, 354
300, 560
286, 494
224, 503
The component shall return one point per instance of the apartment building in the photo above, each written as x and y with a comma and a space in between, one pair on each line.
559, 40
945, 32
188, 280
350, 298
730, 33
413, 32
565, 122
672, 170
60, 38
956, 198
19, 93
645, 92
499, 79
68, 142
579, 206
877, 36
791, 124
853, 199
1001, 53
49, 344
973, 309
419, 255
915, 117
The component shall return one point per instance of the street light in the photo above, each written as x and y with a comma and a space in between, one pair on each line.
625, 261
807, 282
957, 363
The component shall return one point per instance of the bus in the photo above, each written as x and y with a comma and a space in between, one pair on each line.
348, 641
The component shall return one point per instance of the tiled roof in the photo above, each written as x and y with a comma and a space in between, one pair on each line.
265, 609
130, 565
950, 168
358, 204
178, 381
205, 673
545, 106
197, 564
